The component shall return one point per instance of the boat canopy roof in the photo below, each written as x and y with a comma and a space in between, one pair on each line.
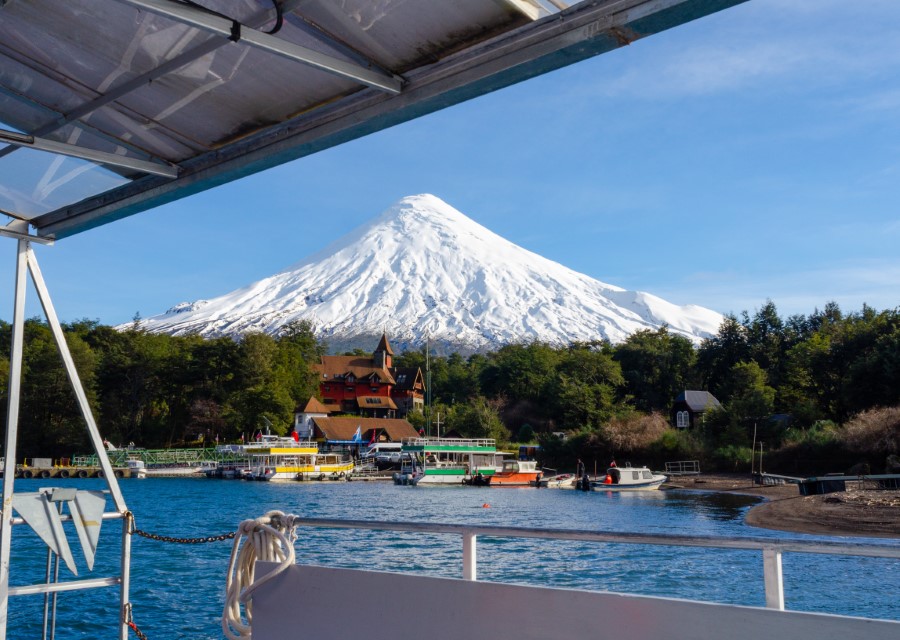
111, 108
450, 444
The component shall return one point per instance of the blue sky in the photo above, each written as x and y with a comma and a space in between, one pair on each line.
750, 155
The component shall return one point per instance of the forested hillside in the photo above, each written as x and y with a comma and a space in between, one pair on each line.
817, 390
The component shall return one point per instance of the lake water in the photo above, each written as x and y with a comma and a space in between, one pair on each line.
178, 590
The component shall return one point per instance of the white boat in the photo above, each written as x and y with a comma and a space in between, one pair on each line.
177, 470
628, 478
562, 481
137, 467
441, 461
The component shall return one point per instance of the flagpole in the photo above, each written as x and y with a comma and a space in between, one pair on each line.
427, 387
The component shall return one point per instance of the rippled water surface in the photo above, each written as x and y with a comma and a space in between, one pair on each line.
178, 590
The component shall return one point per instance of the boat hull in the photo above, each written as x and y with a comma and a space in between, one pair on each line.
649, 485
514, 479
437, 477
304, 472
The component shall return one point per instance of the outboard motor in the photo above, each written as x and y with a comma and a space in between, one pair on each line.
585, 483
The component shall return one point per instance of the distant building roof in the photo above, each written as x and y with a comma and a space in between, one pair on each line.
332, 367
314, 406
375, 402
698, 401
344, 428
407, 377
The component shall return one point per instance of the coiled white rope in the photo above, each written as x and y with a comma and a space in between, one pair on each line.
270, 538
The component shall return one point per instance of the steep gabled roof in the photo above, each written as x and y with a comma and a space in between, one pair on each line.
698, 401
383, 345
314, 406
407, 377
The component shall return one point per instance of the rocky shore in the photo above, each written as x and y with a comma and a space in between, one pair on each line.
861, 510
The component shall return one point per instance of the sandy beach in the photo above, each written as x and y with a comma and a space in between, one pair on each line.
859, 511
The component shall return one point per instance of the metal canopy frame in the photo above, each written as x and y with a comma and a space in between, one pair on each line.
332, 78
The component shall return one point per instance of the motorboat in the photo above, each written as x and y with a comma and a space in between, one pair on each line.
562, 481
513, 473
628, 478
137, 467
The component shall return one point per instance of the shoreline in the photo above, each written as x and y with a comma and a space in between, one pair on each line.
859, 511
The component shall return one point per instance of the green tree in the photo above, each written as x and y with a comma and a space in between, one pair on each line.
717, 355
656, 367
51, 419
478, 419
521, 372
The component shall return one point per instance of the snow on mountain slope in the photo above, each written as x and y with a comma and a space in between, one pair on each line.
421, 269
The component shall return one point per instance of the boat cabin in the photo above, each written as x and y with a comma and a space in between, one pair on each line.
519, 466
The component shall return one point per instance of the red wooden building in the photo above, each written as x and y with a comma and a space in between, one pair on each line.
370, 386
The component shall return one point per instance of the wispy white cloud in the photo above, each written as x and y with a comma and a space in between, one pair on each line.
851, 286
815, 42
709, 68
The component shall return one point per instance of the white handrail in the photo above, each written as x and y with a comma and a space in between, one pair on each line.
772, 548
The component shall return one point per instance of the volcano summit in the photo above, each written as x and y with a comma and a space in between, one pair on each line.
423, 269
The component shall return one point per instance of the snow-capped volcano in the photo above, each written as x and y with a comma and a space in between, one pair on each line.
421, 269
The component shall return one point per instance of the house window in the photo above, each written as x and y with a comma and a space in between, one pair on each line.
374, 388
683, 419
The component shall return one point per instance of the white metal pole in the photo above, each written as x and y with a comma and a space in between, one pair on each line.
470, 562
124, 604
12, 429
108, 473
773, 579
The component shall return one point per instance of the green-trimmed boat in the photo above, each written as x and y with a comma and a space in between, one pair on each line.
441, 461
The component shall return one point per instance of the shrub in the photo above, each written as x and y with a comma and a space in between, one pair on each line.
526, 433
732, 458
873, 433
635, 431
821, 433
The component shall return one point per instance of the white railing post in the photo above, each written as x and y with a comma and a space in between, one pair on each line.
12, 429
470, 563
773, 578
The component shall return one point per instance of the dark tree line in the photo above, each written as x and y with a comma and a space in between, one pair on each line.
157, 390
781, 378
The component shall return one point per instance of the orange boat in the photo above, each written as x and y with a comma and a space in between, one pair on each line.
516, 473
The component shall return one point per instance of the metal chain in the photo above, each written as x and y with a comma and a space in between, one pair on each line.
131, 530
138, 632
153, 536
130, 622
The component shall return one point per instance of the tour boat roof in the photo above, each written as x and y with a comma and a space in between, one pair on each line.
477, 445
111, 108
